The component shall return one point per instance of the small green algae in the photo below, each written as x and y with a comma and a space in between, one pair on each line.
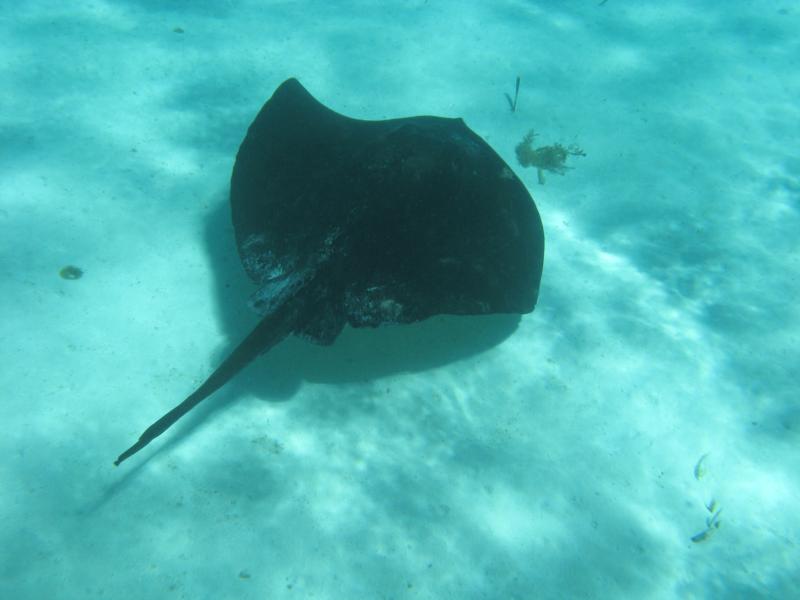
70, 272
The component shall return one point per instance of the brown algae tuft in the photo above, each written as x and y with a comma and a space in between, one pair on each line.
545, 158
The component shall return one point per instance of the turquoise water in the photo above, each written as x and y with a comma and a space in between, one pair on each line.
636, 436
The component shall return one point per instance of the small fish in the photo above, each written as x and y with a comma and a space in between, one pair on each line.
699, 468
711, 506
713, 520
712, 524
702, 536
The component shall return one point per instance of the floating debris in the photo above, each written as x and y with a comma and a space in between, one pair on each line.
512, 104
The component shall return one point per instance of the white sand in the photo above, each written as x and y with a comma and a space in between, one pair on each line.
557, 464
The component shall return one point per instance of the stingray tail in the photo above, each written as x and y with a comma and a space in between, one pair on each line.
271, 330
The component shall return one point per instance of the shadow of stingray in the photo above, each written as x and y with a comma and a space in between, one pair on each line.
357, 354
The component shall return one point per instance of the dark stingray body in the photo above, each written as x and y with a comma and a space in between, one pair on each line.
408, 217
340, 220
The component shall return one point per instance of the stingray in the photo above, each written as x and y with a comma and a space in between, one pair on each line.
345, 221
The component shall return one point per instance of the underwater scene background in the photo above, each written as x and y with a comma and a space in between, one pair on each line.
635, 436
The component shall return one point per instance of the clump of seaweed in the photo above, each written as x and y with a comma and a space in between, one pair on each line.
70, 272
545, 158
